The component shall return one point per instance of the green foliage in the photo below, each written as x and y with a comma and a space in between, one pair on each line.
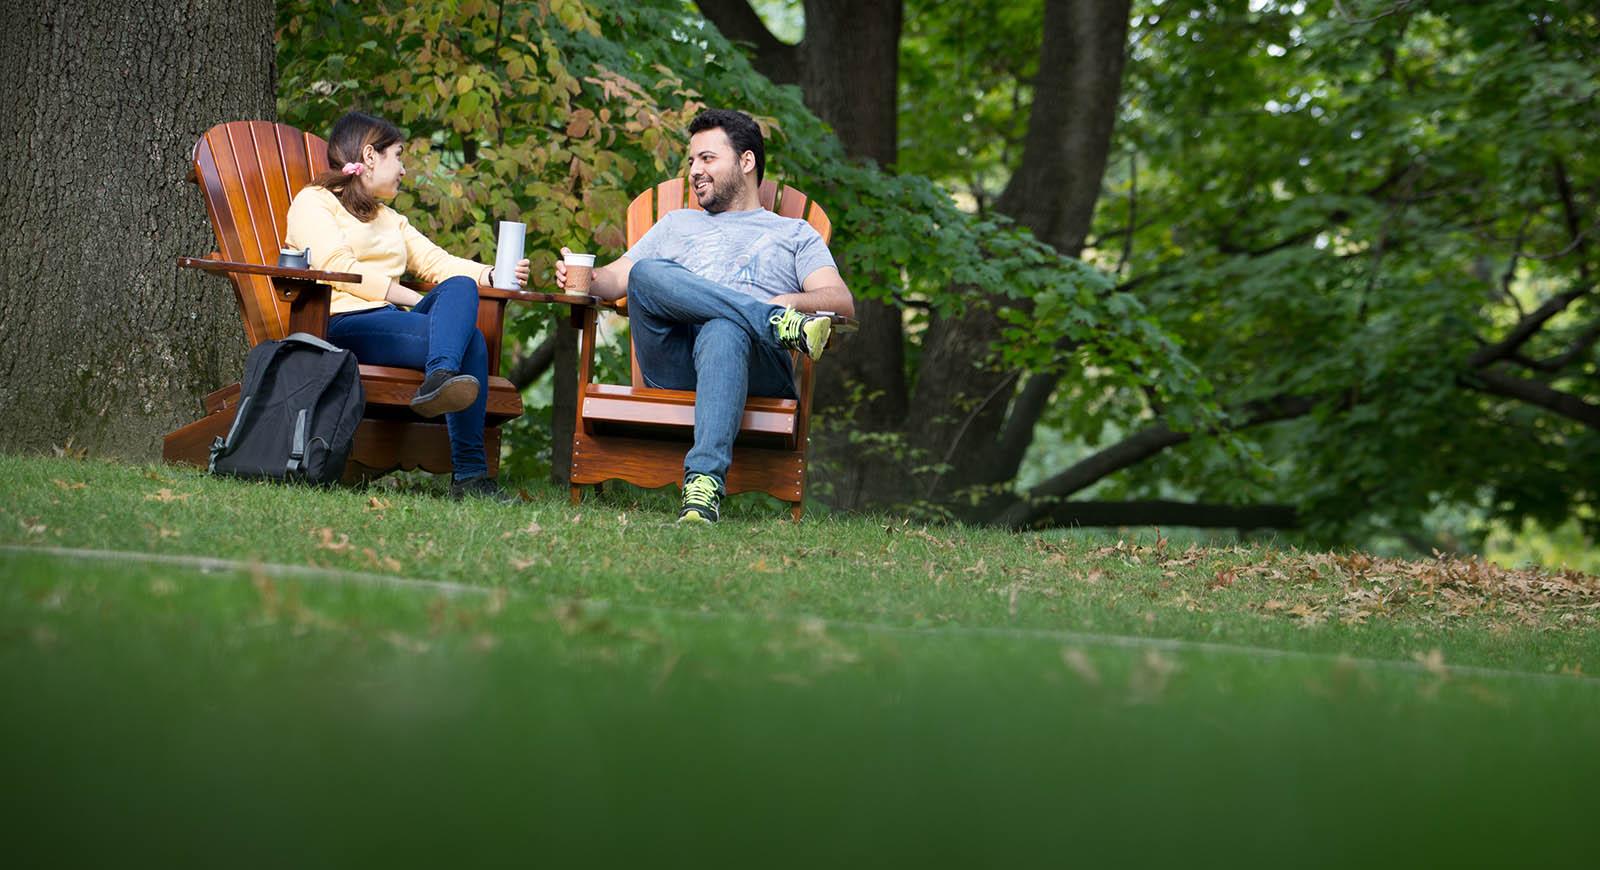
1335, 196
965, 74
558, 113
1336, 200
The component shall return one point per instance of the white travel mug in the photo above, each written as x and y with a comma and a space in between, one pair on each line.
508, 253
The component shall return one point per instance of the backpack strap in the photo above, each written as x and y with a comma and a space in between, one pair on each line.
308, 338
222, 446
297, 447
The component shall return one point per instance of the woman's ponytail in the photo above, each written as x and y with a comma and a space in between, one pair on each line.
346, 143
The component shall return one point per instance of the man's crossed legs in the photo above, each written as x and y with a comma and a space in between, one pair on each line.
691, 333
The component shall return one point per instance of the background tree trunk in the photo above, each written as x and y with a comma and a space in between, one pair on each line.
106, 344
1053, 193
849, 72
847, 66
960, 412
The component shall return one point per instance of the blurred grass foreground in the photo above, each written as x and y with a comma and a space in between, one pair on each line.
197, 671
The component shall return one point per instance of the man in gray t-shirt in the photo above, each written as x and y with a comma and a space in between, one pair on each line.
755, 252
717, 298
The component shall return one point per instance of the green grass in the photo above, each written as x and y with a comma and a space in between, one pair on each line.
597, 685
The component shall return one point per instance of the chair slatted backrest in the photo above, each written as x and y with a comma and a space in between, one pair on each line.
648, 207
249, 171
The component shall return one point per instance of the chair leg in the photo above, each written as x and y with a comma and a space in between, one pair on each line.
796, 509
575, 493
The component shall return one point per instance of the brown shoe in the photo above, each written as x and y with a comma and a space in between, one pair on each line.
444, 391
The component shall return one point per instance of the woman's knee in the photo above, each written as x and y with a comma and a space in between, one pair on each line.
458, 284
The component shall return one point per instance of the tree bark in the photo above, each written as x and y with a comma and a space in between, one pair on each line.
527, 369
106, 344
848, 70
1498, 383
1136, 448
1166, 513
773, 58
1053, 193
847, 66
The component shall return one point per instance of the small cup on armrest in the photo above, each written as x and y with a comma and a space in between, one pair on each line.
289, 258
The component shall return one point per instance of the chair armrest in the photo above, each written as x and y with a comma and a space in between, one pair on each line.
226, 266
841, 323
580, 300
486, 292
843, 327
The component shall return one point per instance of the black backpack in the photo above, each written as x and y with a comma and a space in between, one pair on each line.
299, 406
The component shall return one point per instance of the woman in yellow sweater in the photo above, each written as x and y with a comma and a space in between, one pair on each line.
342, 218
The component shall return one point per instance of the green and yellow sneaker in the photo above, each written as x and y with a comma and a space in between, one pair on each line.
807, 333
702, 495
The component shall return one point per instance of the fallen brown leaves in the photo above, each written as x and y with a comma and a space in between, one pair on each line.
326, 540
1353, 588
1450, 587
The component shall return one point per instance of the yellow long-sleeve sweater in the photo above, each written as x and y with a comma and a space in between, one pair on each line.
380, 250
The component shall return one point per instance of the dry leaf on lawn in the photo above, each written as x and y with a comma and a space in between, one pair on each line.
1078, 661
1433, 660
384, 563
328, 542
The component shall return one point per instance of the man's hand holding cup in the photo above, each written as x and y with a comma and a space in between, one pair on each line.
574, 272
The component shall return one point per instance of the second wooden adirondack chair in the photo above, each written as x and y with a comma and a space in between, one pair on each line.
249, 171
639, 434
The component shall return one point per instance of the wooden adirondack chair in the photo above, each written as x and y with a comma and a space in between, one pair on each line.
248, 172
639, 434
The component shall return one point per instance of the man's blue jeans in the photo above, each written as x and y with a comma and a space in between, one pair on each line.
440, 333
694, 334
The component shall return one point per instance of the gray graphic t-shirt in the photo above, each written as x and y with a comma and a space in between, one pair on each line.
755, 252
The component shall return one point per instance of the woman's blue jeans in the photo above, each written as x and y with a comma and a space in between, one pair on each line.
440, 333
691, 333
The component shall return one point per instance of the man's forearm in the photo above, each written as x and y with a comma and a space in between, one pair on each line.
835, 298
611, 281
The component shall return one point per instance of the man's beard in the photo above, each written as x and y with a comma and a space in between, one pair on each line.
723, 193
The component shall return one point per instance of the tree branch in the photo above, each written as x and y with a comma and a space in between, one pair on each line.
1199, 515
527, 369
1560, 361
1135, 449
1526, 328
1538, 393
1026, 409
738, 21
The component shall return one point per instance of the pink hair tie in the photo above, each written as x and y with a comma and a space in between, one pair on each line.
354, 168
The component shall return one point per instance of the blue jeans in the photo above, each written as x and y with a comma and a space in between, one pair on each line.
440, 333
694, 334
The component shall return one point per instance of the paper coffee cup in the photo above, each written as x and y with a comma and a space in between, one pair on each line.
508, 252
580, 269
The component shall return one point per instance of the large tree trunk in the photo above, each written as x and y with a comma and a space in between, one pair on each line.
1053, 193
106, 344
848, 68
849, 74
